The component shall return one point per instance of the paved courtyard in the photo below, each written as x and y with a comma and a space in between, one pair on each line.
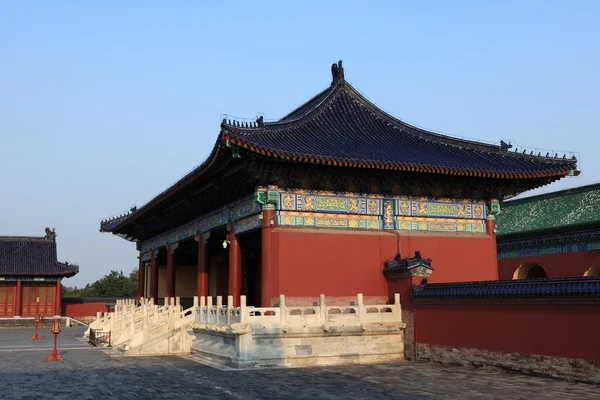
89, 373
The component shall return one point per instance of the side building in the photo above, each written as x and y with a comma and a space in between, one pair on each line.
317, 201
555, 234
30, 276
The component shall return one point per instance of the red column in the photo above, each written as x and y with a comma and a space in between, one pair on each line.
202, 267
170, 290
154, 277
235, 268
58, 298
18, 297
141, 279
265, 273
490, 227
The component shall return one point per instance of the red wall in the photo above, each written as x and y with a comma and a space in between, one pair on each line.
555, 265
315, 261
309, 261
456, 257
82, 310
557, 330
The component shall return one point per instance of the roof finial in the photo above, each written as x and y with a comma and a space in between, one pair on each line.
337, 71
50, 234
504, 145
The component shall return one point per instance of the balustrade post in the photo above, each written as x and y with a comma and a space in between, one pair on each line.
397, 307
243, 310
282, 312
195, 301
322, 309
171, 317
132, 320
229, 307
145, 321
111, 323
202, 308
361, 308
219, 307
208, 307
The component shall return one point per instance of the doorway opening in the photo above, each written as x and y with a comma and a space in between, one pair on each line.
251, 246
529, 270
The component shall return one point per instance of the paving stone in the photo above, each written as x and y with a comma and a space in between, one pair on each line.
89, 373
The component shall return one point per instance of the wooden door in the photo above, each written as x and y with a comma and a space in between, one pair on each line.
38, 300
7, 299
46, 294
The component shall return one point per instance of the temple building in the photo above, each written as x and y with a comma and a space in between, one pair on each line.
555, 234
317, 201
30, 276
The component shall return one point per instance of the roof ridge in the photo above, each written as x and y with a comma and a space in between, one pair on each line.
242, 124
340, 85
25, 238
446, 138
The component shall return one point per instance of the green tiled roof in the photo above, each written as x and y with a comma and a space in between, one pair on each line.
555, 211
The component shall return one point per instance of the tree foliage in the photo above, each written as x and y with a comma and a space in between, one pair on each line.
114, 284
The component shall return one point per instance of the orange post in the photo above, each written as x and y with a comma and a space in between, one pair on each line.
54, 354
36, 335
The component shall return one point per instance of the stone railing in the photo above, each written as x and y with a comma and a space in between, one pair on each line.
151, 329
131, 324
283, 316
285, 335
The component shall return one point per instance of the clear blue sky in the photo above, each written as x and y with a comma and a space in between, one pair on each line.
104, 105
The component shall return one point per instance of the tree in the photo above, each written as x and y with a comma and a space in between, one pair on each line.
114, 284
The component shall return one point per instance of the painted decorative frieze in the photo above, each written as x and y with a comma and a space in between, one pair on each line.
335, 210
349, 203
328, 220
236, 211
329, 202
440, 208
244, 209
247, 224
14, 278
548, 250
440, 224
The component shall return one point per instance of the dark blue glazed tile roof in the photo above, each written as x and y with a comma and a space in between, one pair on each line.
543, 288
400, 265
25, 256
339, 126
110, 223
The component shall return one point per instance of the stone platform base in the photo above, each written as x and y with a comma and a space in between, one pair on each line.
28, 322
242, 347
554, 367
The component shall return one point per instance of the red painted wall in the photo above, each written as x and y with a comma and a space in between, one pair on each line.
309, 261
83, 310
458, 257
555, 265
546, 329
315, 261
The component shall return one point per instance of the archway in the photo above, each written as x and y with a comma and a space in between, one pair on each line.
529, 270
594, 270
